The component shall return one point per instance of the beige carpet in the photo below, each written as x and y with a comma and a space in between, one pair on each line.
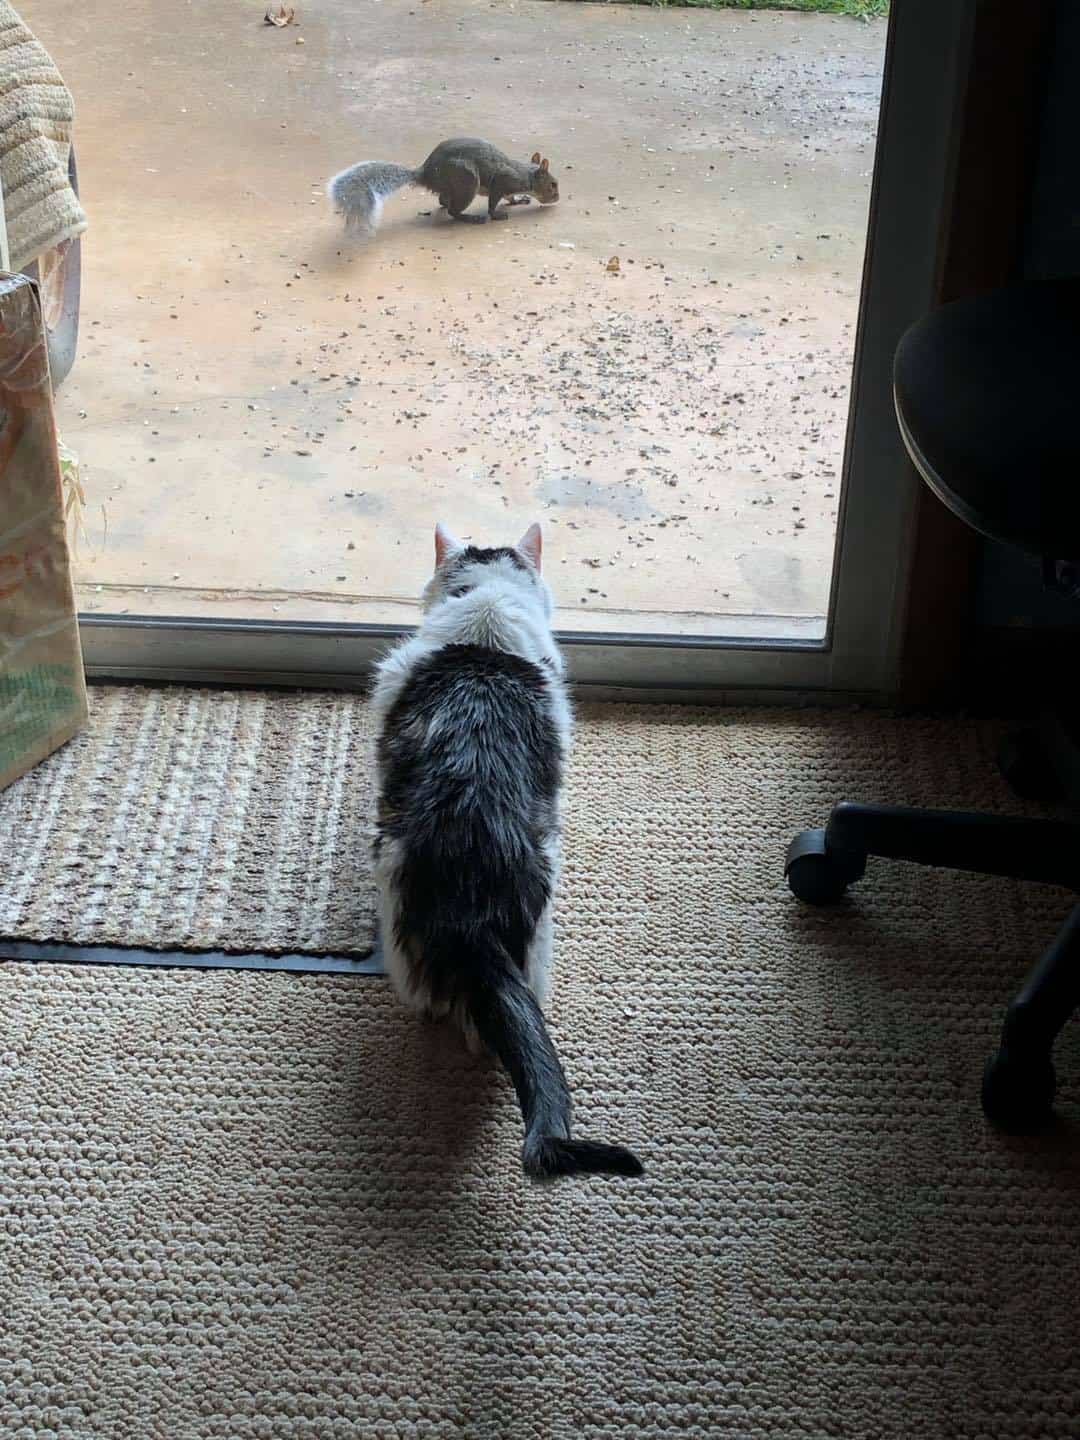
241, 1205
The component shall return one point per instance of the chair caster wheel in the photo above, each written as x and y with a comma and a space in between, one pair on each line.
1026, 769
817, 875
1018, 1096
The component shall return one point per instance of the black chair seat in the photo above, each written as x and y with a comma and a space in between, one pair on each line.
988, 399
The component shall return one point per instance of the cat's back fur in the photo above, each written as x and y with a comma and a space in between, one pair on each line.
471, 762
473, 732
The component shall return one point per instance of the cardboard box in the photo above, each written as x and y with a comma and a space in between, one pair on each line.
42, 686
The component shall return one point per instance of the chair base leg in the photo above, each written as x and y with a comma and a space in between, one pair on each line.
1019, 1082
822, 863
1018, 1094
1027, 768
1042, 762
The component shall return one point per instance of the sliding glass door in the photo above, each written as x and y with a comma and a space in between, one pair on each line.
682, 368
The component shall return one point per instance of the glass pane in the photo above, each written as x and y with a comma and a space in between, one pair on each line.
270, 416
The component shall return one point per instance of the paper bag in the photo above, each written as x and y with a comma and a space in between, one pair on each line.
42, 689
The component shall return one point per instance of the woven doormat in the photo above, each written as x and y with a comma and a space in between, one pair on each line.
197, 820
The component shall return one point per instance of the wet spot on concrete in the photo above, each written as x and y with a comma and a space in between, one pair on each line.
616, 497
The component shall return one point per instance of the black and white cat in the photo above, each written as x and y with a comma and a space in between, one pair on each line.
473, 732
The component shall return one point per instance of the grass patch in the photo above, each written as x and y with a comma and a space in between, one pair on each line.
860, 9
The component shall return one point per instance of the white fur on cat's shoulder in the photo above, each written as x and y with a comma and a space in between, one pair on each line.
392, 673
500, 613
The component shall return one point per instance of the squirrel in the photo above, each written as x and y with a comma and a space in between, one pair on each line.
456, 171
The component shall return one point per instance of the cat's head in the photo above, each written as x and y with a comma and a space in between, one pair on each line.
462, 569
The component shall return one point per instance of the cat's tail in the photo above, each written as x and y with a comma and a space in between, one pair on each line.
511, 1024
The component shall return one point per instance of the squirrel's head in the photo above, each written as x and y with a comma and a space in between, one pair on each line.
544, 185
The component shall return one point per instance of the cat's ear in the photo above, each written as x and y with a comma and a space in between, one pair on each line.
530, 546
446, 544
536, 158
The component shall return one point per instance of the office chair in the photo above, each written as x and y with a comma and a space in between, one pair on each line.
987, 394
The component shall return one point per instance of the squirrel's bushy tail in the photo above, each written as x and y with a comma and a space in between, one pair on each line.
358, 193
511, 1024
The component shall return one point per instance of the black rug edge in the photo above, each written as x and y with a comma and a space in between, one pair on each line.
61, 953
